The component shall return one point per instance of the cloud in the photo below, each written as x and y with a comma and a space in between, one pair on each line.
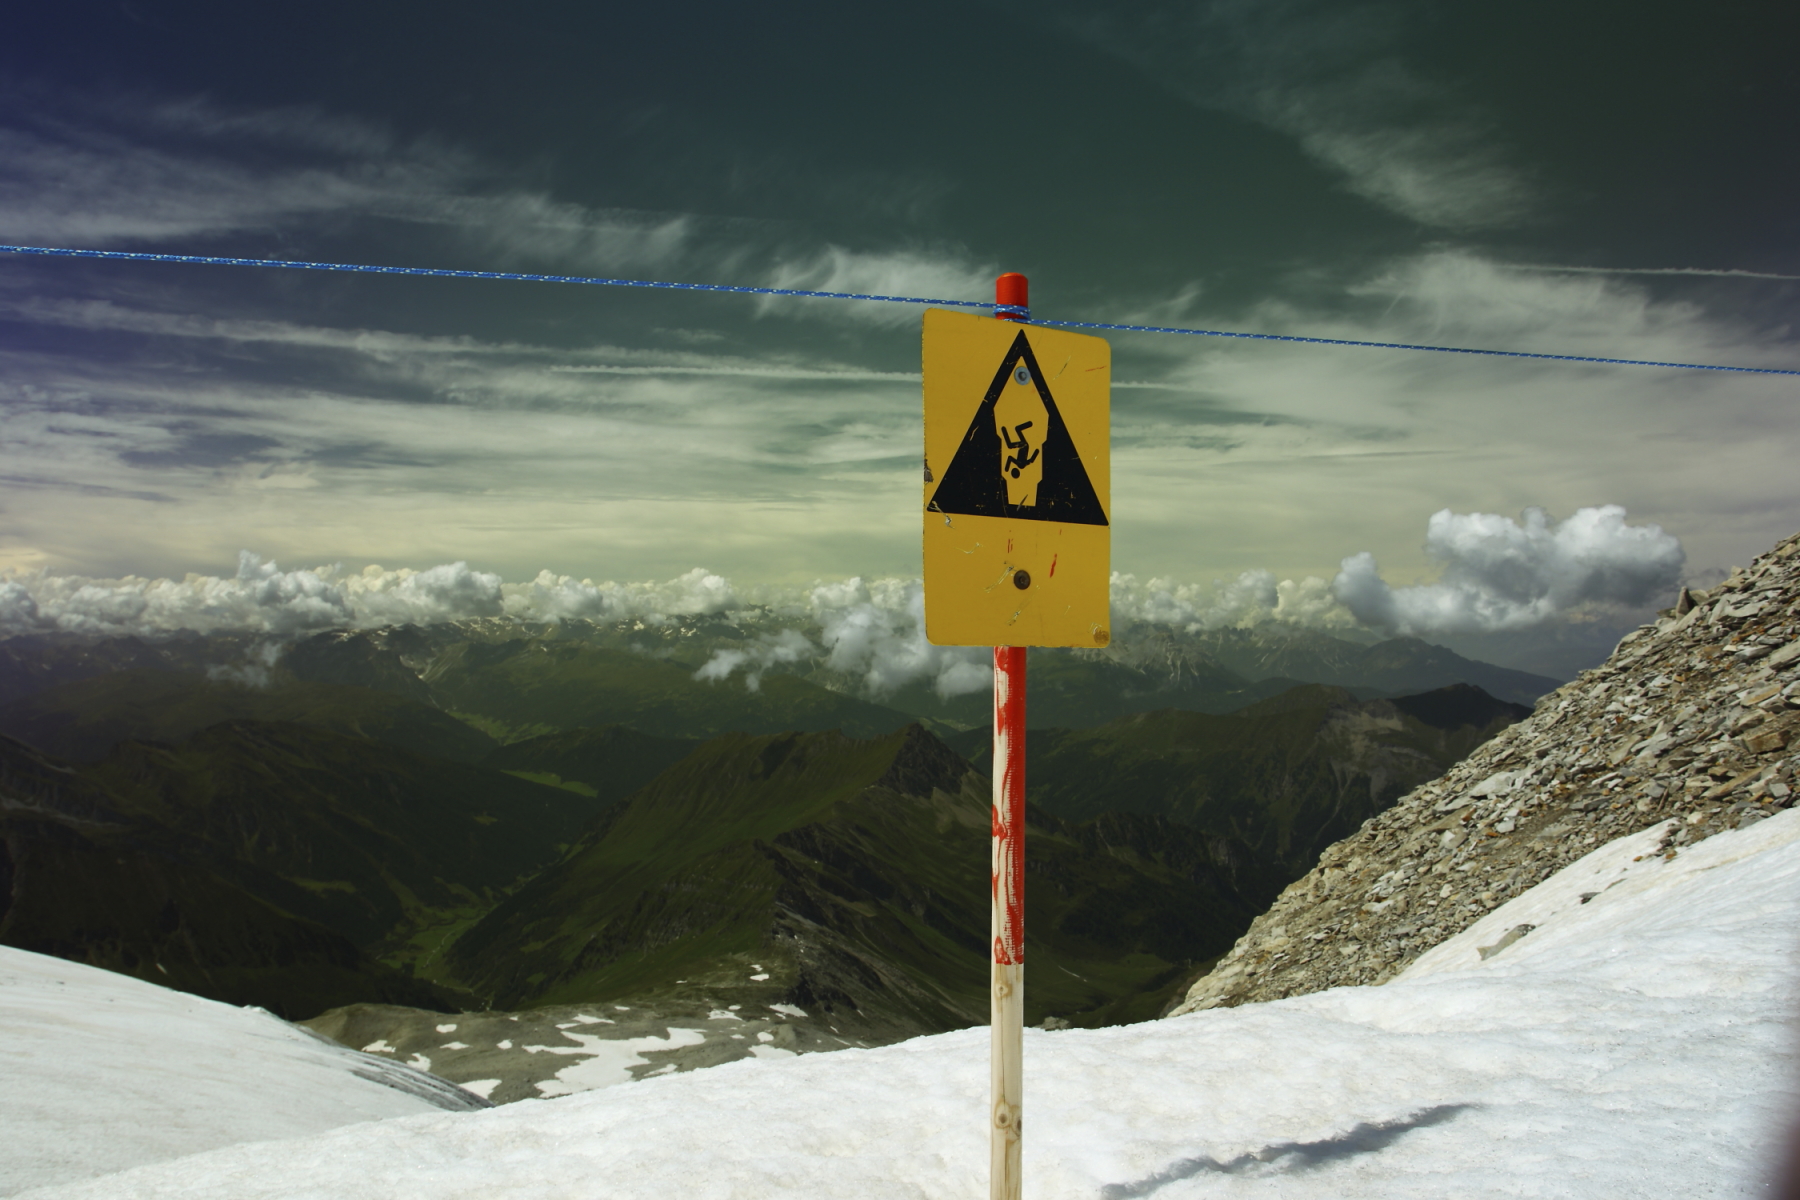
875, 632
262, 598
768, 650
1500, 574
872, 632
255, 669
94, 189
1441, 173
259, 598
128, 170
552, 597
914, 273
1332, 77
1249, 600
18, 609
869, 632
1709, 272
1456, 297
451, 591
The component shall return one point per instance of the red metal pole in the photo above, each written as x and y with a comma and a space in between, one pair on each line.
1007, 1006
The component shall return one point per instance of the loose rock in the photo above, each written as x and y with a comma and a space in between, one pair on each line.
1691, 718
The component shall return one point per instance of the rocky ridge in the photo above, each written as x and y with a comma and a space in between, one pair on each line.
1689, 721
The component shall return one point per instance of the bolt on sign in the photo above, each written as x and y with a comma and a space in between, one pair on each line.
1018, 484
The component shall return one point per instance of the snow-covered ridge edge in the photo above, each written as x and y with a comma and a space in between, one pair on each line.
1634, 1046
1687, 723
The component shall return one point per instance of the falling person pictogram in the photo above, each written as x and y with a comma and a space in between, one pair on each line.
1039, 478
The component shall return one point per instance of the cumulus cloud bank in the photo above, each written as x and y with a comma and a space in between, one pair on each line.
1251, 599
262, 598
259, 598
876, 631
1500, 574
552, 597
871, 631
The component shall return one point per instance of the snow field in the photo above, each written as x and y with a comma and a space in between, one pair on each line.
1635, 1045
605, 1062
100, 1072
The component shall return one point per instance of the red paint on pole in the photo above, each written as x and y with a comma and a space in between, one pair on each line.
1006, 1060
1009, 804
1011, 290
1014, 290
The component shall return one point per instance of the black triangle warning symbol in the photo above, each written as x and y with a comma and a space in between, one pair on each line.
975, 483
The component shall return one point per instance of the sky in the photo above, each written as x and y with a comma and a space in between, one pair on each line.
1588, 178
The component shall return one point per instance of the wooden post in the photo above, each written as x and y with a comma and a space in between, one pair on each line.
1007, 998
1007, 1009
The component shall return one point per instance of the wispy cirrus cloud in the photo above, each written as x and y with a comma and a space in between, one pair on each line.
1333, 78
98, 173
129, 177
921, 274
242, 426
1669, 272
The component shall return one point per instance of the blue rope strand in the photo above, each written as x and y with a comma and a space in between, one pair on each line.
998, 309
210, 260
1318, 341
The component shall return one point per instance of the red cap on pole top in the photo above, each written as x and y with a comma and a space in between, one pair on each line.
1012, 297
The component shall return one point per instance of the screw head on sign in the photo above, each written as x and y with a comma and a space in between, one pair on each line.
1021, 579
1022, 375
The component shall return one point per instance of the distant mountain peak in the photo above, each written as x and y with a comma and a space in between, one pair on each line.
922, 764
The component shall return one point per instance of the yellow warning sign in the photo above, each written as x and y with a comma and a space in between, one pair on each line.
1018, 499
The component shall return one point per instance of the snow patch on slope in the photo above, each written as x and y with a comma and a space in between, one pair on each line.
100, 1072
1639, 1047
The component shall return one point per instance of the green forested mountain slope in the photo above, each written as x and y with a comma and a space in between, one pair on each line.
608, 762
856, 874
346, 824
85, 719
540, 686
1286, 776
373, 840
81, 879
1396, 666
1074, 689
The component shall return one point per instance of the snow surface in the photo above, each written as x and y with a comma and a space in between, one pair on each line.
100, 1072
1634, 1045
607, 1062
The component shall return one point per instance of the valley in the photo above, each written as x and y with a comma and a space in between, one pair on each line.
391, 831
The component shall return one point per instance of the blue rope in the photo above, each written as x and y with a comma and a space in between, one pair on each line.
1318, 341
998, 309
138, 256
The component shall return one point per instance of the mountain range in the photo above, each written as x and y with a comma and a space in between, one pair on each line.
448, 818
515, 679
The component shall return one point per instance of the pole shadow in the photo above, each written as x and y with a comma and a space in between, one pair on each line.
1290, 1157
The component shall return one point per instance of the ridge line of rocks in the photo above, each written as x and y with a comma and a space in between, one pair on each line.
1690, 718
